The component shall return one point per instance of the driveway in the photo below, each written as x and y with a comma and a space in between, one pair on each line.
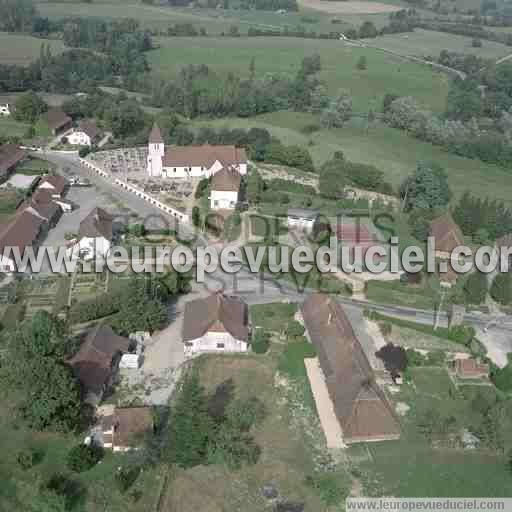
155, 381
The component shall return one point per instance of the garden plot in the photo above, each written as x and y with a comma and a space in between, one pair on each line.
41, 296
87, 286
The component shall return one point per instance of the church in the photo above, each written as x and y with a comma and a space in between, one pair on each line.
191, 161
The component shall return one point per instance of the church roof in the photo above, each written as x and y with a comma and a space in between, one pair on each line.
203, 156
155, 137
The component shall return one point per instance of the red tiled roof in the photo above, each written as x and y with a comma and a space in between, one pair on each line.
360, 405
130, 425
21, 232
217, 313
447, 234
226, 180
57, 182
97, 223
89, 127
203, 156
468, 368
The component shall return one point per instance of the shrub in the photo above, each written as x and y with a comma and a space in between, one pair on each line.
28, 458
501, 289
328, 487
260, 341
84, 151
126, 477
243, 414
294, 329
83, 457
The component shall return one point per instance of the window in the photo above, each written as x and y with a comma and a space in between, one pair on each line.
215, 203
220, 345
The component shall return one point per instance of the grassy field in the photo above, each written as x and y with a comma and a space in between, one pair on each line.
389, 149
290, 438
385, 73
215, 21
411, 467
23, 49
9, 127
426, 42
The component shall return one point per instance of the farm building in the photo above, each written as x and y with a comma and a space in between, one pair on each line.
55, 184
361, 407
96, 362
217, 323
22, 232
58, 121
86, 134
10, 156
123, 429
94, 236
447, 235
224, 189
191, 161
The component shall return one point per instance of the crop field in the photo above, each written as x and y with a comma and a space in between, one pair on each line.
391, 150
427, 42
9, 127
23, 49
384, 73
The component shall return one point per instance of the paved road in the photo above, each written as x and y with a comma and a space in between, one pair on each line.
260, 289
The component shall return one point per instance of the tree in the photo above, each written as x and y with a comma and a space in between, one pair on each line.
501, 288
254, 186
427, 188
196, 216
50, 394
84, 457
475, 288
260, 341
338, 112
17, 15
368, 30
29, 106
191, 428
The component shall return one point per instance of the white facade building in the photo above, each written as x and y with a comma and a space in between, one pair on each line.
217, 323
94, 236
191, 161
225, 189
302, 219
86, 134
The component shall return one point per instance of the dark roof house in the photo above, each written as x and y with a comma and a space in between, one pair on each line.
216, 313
97, 224
10, 156
58, 121
22, 231
226, 180
55, 183
96, 361
360, 405
90, 128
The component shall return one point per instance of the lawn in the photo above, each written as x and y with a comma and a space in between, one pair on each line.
11, 128
402, 294
290, 439
389, 149
23, 49
385, 73
412, 468
427, 42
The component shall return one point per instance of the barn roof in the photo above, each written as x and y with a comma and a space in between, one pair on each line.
360, 405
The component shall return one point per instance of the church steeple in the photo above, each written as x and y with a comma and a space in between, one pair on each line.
156, 152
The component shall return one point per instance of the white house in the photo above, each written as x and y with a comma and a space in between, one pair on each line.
191, 161
225, 187
94, 236
5, 110
86, 134
217, 323
303, 219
